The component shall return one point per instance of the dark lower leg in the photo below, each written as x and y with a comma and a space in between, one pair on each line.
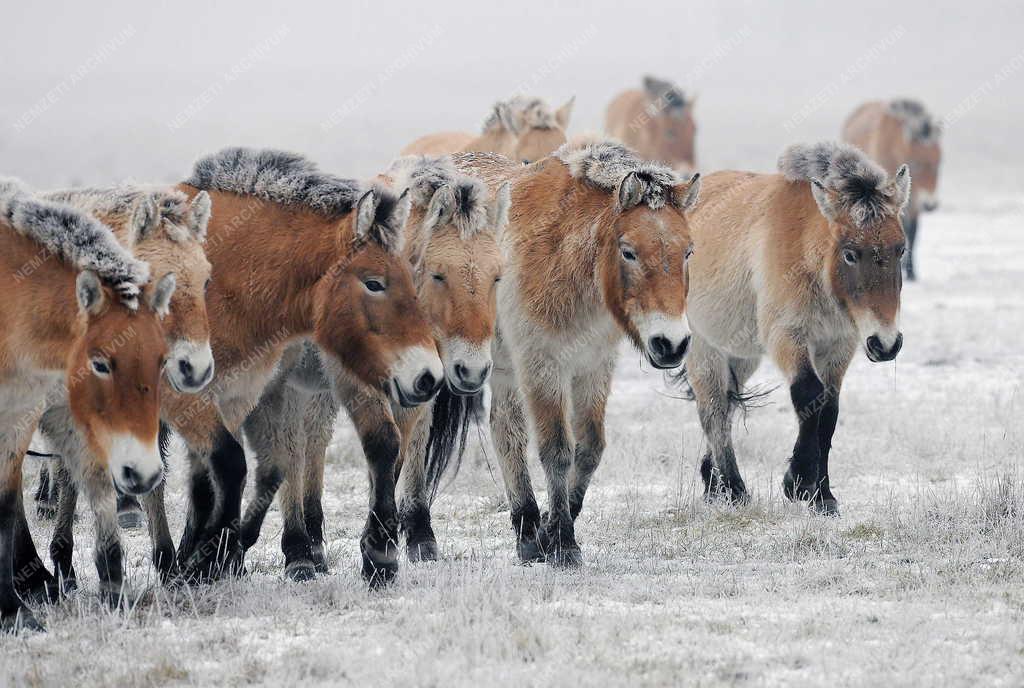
200, 510
559, 535
62, 545
825, 500
31, 576
809, 397
220, 550
14, 615
268, 481
160, 533
379, 543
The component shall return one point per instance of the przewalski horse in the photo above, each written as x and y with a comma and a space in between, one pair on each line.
299, 254
452, 243
168, 234
77, 312
898, 132
657, 122
595, 251
520, 128
804, 266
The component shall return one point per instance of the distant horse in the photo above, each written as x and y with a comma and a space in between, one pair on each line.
299, 254
803, 266
524, 129
897, 132
657, 122
452, 243
79, 311
170, 239
595, 251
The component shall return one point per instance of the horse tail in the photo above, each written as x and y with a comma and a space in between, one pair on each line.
744, 398
449, 427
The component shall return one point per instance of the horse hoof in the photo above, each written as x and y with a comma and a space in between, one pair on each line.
319, 558
565, 558
379, 573
300, 571
422, 550
825, 507
796, 487
529, 552
19, 621
46, 511
130, 519
47, 591
68, 584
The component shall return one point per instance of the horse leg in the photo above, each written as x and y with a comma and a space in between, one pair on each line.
47, 491
831, 366
102, 496
910, 227
319, 430
220, 551
155, 507
809, 396
200, 507
589, 398
510, 435
14, 615
708, 373
62, 546
413, 500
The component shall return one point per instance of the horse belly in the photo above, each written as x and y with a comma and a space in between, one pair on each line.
729, 324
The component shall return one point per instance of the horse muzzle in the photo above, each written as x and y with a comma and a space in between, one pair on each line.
877, 351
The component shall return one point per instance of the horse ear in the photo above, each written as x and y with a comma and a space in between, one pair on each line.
563, 113
440, 209
685, 195
498, 212
200, 210
631, 191
160, 300
366, 210
146, 218
824, 198
506, 117
901, 186
89, 292
400, 214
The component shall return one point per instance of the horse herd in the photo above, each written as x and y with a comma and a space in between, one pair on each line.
261, 295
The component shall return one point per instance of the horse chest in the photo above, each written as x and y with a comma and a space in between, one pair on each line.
23, 395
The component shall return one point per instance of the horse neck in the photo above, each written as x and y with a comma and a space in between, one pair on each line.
40, 313
265, 270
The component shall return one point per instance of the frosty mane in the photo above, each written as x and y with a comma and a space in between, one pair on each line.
604, 163
276, 176
520, 113
859, 183
177, 217
424, 175
917, 121
73, 236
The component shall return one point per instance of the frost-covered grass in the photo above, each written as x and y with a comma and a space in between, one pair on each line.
921, 581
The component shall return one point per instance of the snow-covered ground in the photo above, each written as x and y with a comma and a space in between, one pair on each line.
919, 582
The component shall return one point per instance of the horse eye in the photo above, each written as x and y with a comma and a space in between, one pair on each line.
100, 367
525, 161
850, 256
373, 285
628, 253
497, 279
900, 250
438, 277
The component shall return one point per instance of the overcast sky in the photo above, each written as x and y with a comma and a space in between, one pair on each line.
95, 91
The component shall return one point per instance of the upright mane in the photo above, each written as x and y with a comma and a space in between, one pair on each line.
858, 182
519, 113
293, 180
277, 176
175, 213
918, 122
665, 95
73, 236
423, 175
604, 162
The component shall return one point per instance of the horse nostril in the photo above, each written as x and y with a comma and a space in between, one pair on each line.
185, 367
660, 346
130, 478
426, 383
461, 372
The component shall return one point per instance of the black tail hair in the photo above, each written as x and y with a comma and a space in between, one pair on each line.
746, 399
449, 428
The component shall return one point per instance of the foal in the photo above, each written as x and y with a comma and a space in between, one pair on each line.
803, 266
452, 244
893, 133
657, 122
170, 238
75, 314
298, 254
521, 128
595, 251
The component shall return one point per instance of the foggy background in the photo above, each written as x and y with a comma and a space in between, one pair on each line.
97, 94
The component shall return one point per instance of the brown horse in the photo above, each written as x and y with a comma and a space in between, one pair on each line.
79, 313
171, 241
521, 128
452, 243
595, 251
803, 266
298, 254
897, 132
657, 122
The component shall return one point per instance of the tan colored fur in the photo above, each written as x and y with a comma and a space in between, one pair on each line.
633, 118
